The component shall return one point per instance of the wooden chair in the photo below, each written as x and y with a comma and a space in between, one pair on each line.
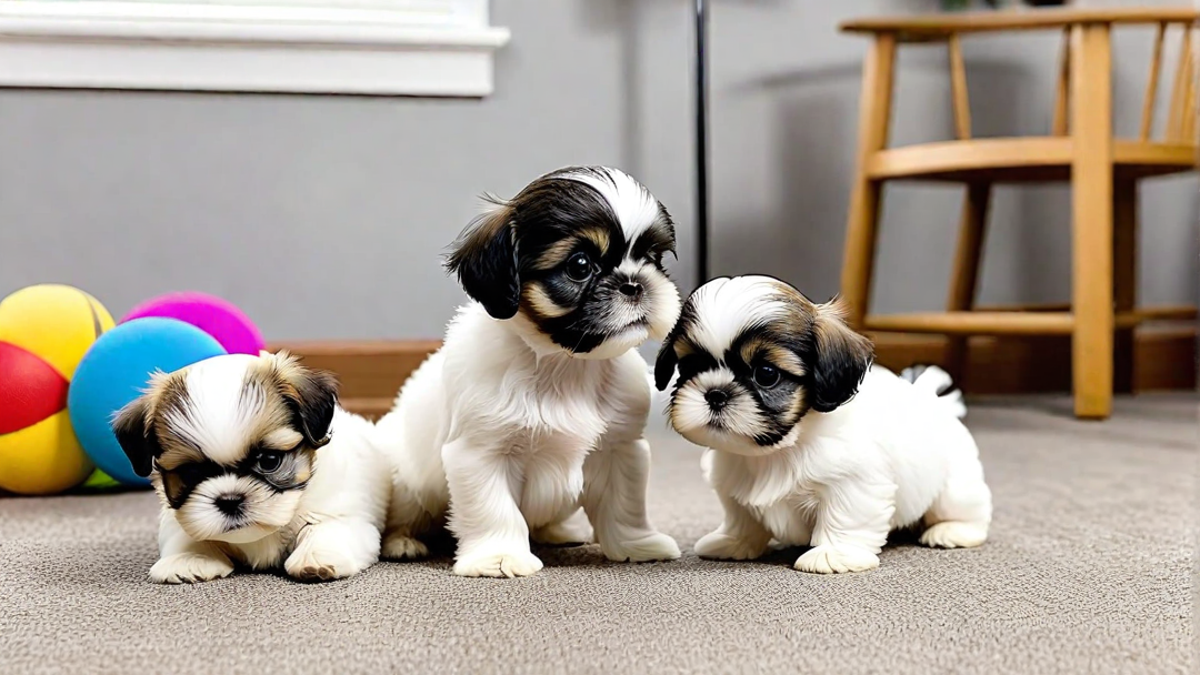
1103, 173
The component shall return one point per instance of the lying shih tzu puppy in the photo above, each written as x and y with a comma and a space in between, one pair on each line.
767, 380
256, 465
536, 402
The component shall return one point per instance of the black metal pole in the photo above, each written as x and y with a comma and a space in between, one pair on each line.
702, 225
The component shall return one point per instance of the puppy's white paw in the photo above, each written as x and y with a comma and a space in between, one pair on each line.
954, 534
403, 547
566, 533
498, 564
720, 546
647, 547
826, 559
311, 562
189, 568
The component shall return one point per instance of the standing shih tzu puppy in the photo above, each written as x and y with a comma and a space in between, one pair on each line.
809, 443
536, 402
256, 464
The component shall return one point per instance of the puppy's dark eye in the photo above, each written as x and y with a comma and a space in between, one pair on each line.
766, 376
579, 267
268, 461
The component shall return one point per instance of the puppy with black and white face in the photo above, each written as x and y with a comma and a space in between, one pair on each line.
536, 402
256, 464
809, 443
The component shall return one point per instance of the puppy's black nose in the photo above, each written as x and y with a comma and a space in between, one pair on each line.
631, 289
717, 398
230, 505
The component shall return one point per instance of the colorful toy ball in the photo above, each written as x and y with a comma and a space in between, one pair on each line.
116, 370
215, 316
44, 332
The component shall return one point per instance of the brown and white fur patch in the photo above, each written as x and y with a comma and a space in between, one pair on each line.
256, 464
536, 403
809, 444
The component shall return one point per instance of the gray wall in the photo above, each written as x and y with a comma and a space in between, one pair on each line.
326, 217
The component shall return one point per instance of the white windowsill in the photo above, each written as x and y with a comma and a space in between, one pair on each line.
309, 49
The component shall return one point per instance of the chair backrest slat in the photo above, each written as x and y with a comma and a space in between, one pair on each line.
1188, 134
1152, 83
958, 89
1181, 107
1063, 95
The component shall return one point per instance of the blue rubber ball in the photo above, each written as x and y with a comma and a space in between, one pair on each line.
114, 372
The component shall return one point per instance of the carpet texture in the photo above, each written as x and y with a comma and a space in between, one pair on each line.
1087, 571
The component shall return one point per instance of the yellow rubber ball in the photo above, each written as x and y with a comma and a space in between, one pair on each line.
44, 332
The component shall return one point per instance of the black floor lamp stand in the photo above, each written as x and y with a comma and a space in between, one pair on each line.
702, 225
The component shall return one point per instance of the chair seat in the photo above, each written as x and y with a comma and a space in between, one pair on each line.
1023, 159
934, 27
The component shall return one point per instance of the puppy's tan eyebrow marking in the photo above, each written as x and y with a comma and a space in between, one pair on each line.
765, 350
176, 454
282, 438
554, 255
557, 253
598, 236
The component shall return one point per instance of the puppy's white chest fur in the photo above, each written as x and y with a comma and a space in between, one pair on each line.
549, 412
543, 411
550, 463
773, 489
565, 407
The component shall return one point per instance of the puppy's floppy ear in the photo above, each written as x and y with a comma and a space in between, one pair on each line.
137, 438
664, 365
311, 395
667, 361
842, 358
485, 259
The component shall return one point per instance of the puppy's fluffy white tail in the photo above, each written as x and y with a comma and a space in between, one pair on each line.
938, 382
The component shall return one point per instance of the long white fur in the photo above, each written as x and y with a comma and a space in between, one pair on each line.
936, 381
635, 208
893, 456
220, 418
332, 526
522, 438
730, 305
502, 436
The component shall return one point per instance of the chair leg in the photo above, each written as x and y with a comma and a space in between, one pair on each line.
965, 277
1092, 221
865, 197
1125, 215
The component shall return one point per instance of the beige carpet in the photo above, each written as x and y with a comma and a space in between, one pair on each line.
1088, 571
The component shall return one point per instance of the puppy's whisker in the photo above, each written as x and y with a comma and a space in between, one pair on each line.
582, 337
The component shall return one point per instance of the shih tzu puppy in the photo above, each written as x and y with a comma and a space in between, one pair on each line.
809, 443
256, 465
536, 402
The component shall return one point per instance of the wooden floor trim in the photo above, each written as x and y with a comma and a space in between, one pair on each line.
371, 372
